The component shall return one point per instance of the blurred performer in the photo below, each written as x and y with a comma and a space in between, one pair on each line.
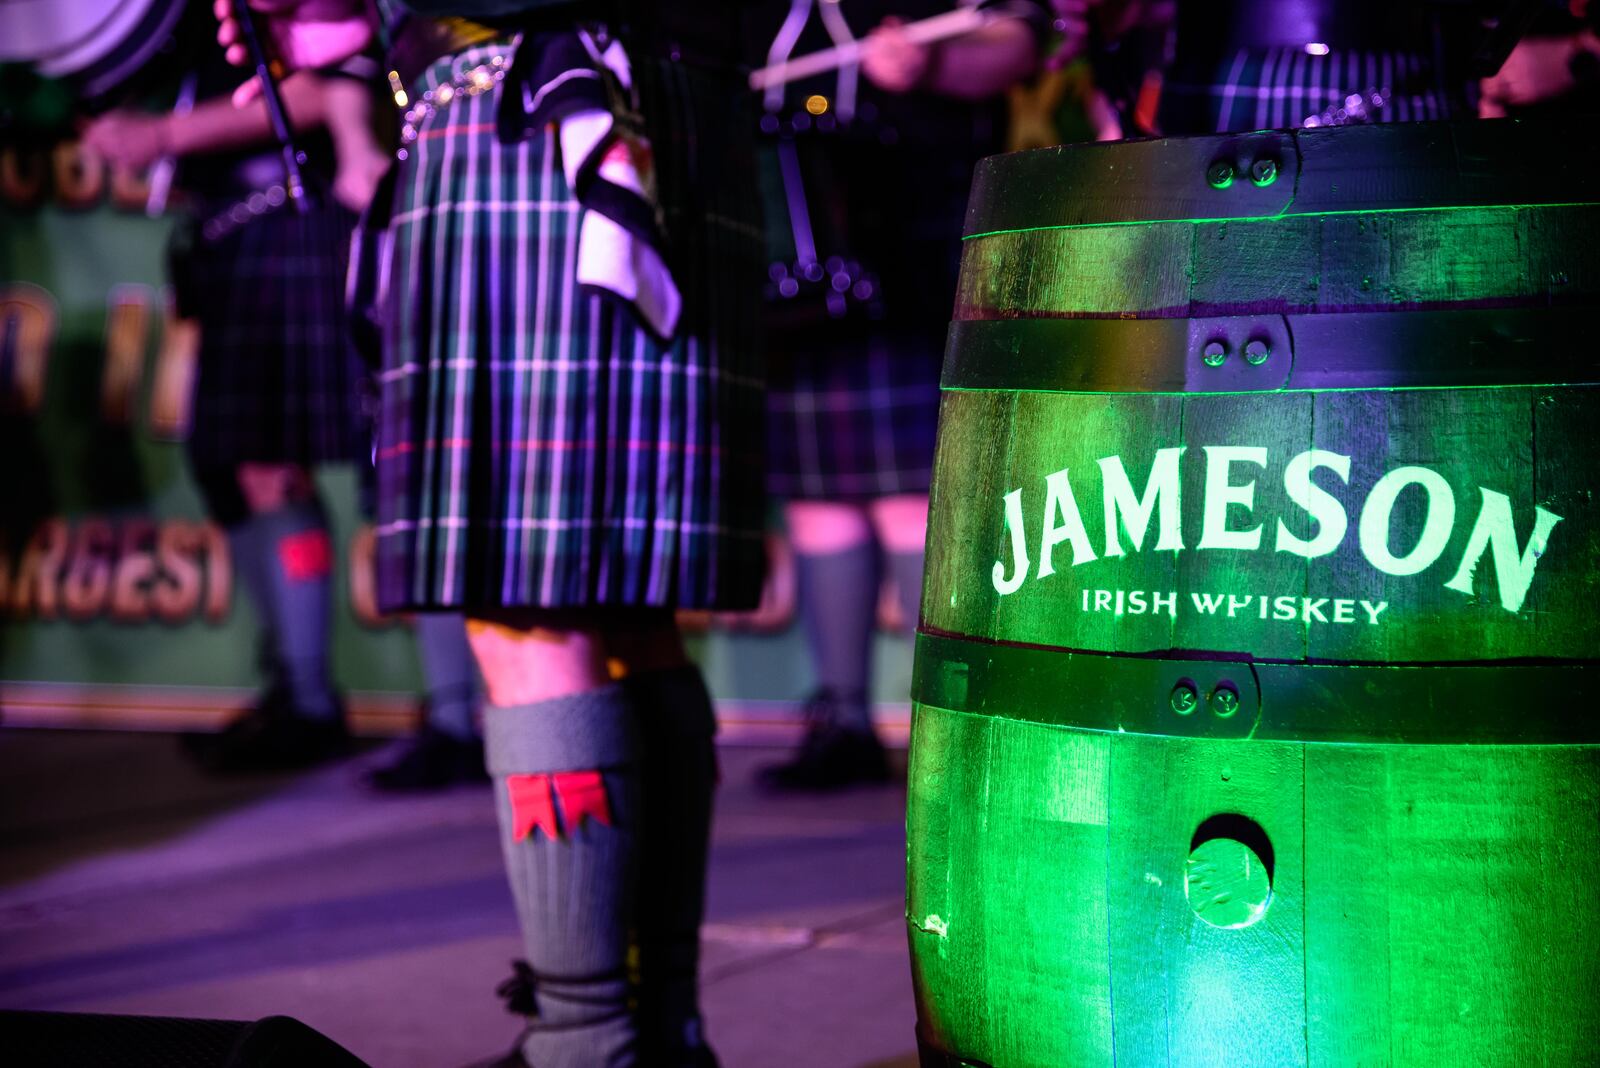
1124, 46
568, 451
1556, 69
279, 383
865, 174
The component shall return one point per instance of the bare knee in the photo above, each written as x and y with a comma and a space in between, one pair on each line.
269, 487
900, 522
524, 662
819, 527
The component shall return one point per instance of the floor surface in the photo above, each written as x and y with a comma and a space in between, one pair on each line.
130, 883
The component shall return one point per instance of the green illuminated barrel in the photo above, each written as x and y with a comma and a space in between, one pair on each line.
1256, 710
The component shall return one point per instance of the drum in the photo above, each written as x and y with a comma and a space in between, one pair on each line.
97, 45
1255, 681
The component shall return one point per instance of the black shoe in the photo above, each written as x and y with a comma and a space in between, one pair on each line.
271, 737
832, 756
691, 1052
431, 760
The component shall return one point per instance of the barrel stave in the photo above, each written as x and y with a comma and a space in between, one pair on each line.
1280, 424
1185, 992
1449, 904
993, 866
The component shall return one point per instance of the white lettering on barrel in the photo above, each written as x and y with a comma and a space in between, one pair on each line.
1058, 500
1376, 513
1220, 494
1130, 513
1323, 507
1495, 530
1126, 512
1019, 549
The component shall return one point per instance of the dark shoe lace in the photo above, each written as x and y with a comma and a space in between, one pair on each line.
518, 991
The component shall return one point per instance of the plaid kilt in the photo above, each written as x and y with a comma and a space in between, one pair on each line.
279, 380
537, 446
851, 419
1278, 88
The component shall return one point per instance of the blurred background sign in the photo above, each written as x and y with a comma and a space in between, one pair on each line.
118, 604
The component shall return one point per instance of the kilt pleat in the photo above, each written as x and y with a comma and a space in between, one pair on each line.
279, 379
538, 446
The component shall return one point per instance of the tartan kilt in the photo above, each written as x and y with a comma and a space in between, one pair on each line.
851, 418
537, 445
1279, 88
279, 379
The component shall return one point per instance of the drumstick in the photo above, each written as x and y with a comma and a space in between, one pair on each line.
292, 183
938, 28
162, 170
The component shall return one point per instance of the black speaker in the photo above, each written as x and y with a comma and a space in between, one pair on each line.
83, 1040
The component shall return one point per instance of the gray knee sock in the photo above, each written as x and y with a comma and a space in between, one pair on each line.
839, 606
448, 674
676, 724
251, 562
574, 893
298, 562
906, 568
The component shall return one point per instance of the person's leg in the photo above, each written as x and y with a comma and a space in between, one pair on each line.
277, 530
249, 553
676, 724
838, 575
297, 559
563, 748
448, 674
447, 748
901, 525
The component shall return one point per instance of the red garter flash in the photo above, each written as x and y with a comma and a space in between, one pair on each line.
306, 555
531, 806
582, 793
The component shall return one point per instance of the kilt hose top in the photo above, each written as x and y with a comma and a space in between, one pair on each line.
279, 379
538, 445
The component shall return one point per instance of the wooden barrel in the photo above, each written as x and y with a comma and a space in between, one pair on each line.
1255, 694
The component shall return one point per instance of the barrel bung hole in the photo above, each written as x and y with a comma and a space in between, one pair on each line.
1228, 877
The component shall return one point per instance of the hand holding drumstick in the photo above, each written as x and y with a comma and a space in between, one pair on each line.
968, 53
